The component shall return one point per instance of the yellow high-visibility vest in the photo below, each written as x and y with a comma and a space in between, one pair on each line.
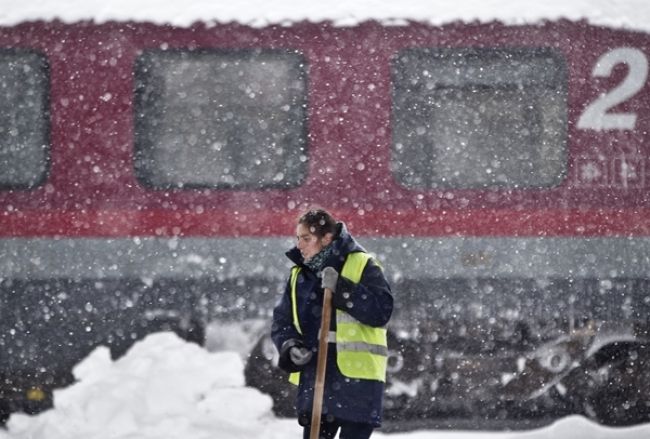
361, 350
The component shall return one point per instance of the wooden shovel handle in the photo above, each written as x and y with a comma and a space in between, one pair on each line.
319, 387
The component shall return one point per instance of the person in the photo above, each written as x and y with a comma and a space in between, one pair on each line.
327, 256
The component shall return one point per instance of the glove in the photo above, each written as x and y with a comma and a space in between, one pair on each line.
299, 355
329, 278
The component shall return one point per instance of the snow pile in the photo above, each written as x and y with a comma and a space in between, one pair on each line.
573, 427
633, 14
166, 388
163, 388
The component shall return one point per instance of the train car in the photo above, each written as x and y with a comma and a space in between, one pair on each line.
151, 176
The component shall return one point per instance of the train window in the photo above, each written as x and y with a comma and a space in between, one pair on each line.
24, 119
220, 119
476, 118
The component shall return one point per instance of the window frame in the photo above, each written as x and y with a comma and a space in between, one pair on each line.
45, 118
560, 82
143, 174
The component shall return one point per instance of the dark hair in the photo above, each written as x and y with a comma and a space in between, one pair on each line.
319, 222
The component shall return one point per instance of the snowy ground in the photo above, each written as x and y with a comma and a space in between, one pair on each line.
166, 388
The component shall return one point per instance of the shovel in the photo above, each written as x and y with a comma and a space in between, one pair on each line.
319, 387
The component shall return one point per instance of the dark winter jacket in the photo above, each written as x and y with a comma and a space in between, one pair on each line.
370, 302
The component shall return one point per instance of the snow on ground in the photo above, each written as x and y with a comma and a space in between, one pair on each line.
166, 388
632, 14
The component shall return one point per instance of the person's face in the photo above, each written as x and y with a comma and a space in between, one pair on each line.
310, 244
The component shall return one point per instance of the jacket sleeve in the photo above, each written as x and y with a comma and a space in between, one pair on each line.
283, 332
370, 301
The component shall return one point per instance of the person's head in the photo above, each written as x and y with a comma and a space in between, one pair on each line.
315, 230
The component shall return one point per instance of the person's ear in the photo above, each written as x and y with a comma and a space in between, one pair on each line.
327, 239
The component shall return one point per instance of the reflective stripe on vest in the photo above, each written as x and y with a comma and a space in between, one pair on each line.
294, 378
361, 349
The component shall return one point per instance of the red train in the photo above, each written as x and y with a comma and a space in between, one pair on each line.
151, 178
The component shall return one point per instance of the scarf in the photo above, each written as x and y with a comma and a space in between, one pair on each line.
317, 263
